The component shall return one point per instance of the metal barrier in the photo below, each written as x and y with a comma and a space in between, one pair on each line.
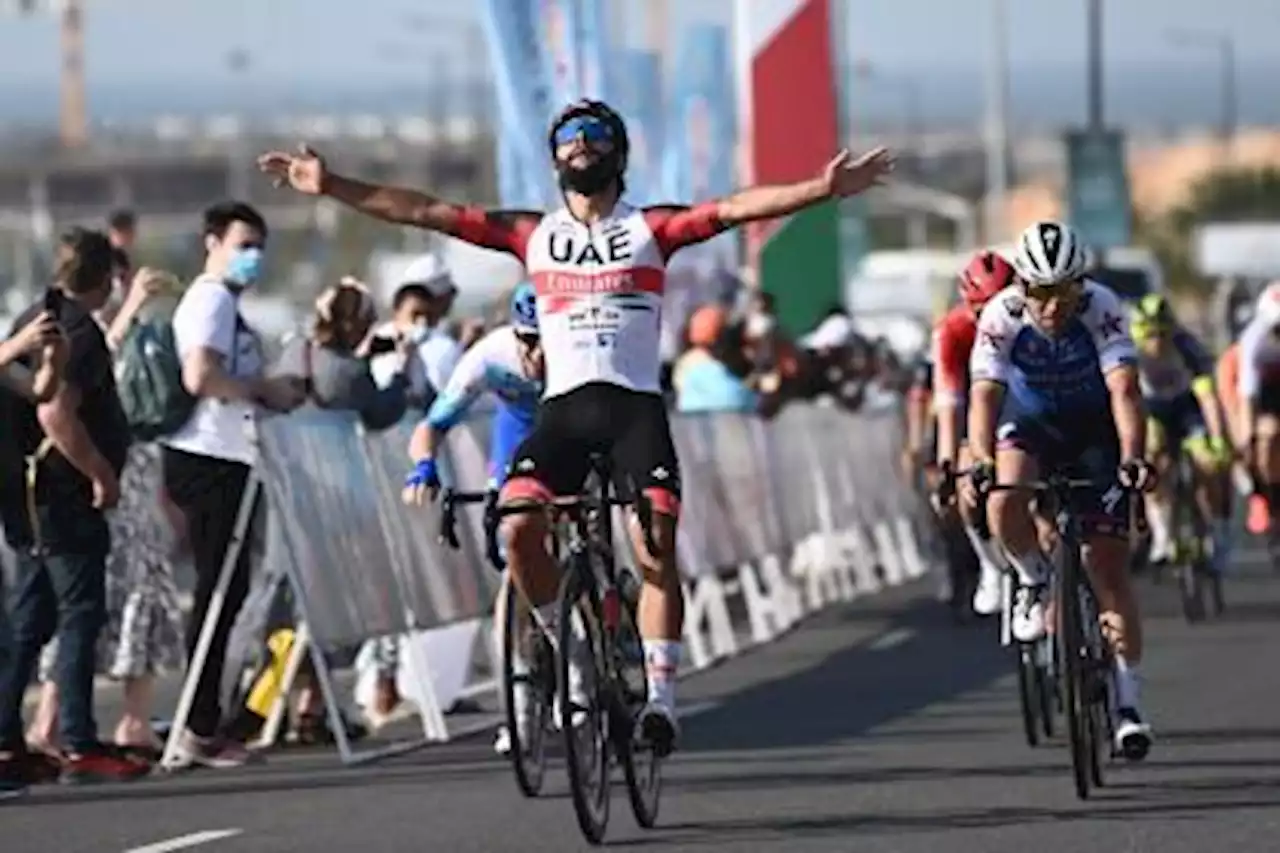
780, 518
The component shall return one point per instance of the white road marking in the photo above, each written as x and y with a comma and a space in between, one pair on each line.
896, 637
693, 709
182, 842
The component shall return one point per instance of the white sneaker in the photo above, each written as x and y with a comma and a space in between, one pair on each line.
656, 726
1028, 613
1133, 736
986, 598
526, 719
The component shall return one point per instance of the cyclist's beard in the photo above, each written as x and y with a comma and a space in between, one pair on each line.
589, 180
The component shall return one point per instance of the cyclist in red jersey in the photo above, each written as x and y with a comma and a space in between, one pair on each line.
599, 267
985, 276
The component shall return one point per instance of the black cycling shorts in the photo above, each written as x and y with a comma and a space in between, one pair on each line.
629, 427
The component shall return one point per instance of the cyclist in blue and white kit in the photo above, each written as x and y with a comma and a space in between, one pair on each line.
1054, 383
508, 363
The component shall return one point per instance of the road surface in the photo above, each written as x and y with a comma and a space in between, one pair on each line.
874, 727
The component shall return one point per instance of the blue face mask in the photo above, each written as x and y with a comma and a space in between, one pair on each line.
245, 267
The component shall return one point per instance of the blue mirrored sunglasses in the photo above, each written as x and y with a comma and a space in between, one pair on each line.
591, 129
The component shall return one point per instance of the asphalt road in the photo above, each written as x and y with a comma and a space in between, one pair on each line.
875, 727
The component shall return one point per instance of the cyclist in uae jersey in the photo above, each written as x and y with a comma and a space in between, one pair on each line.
979, 282
1258, 416
1176, 376
599, 265
1054, 386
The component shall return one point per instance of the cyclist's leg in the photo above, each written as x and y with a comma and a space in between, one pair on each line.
507, 432
1021, 443
1161, 445
550, 461
1104, 518
1211, 487
986, 598
645, 456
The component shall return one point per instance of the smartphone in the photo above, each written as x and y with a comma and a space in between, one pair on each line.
380, 345
53, 299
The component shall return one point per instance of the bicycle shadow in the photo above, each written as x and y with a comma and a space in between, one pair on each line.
847, 691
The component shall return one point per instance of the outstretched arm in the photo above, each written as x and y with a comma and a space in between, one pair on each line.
306, 172
842, 177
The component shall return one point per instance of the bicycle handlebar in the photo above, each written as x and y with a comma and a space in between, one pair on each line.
573, 505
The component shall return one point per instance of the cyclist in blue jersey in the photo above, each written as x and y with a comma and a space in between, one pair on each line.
1054, 383
507, 363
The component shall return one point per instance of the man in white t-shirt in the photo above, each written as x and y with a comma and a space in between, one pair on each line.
207, 462
420, 304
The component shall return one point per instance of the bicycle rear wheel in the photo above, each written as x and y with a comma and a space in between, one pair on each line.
529, 751
586, 730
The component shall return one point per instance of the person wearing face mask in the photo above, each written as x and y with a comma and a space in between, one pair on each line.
421, 303
208, 460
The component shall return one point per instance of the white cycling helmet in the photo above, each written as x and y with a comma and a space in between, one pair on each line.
1050, 253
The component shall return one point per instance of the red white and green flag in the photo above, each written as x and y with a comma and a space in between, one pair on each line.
790, 129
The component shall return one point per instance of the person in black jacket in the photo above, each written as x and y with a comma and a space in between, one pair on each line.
74, 447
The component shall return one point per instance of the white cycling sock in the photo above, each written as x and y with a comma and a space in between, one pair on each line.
1030, 567
1126, 683
1160, 518
989, 553
661, 662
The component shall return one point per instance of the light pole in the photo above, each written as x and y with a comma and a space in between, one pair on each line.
1224, 44
1093, 69
997, 120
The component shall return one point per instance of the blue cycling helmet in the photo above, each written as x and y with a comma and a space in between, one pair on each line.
524, 309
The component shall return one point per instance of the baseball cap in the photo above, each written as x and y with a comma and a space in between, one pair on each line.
430, 272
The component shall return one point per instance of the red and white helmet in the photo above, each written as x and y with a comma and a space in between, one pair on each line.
985, 276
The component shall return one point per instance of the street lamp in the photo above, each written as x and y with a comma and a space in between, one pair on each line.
1224, 44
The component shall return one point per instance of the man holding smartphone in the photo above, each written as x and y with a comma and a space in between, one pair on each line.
73, 446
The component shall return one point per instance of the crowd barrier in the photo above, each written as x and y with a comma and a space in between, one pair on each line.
779, 519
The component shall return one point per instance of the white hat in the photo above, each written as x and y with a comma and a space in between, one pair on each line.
430, 272
832, 333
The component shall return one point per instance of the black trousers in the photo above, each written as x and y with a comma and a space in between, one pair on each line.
209, 491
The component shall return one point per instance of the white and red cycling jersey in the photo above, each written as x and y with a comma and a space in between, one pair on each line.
600, 286
953, 338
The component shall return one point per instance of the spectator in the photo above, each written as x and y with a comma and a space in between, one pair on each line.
208, 461
419, 306
702, 379
38, 338
75, 445
775, 361
122, 229
144, 620
338, 378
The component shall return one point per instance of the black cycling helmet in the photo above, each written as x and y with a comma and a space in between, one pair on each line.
602, 111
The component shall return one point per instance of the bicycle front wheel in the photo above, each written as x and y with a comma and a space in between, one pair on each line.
1073, 657
584, 718
534, 688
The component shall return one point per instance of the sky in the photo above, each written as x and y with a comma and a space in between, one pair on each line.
155, 56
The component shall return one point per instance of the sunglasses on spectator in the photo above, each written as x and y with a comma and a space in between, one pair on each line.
590, 128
